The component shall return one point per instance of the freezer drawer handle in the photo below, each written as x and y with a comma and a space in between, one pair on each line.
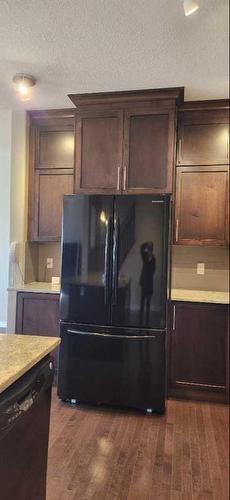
134, 337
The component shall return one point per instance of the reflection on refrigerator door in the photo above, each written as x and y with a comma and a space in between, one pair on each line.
85, 259
141, 262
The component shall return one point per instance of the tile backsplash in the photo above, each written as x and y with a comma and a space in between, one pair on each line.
184, 268
45, 251
35, 261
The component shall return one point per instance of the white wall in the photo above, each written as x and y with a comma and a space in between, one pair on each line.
18, 191
5, 178
18, 201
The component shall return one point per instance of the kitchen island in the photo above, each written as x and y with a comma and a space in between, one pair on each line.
26, 375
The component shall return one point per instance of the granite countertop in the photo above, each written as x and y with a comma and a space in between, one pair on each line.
36, 287
18, 353
184, 295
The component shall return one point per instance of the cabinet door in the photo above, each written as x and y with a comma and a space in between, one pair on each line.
51, 170
199, 346
99, 141
38, 314
201, 206
50, 186
203, 137
54, 148
148, 150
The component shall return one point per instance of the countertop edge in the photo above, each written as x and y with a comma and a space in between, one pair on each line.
199, 296
34, 289
20, 372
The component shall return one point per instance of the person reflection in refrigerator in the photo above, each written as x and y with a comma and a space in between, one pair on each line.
146, 281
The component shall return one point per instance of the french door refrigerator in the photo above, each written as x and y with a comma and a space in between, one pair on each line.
113, 300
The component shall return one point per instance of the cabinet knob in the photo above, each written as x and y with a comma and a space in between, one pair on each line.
179, 151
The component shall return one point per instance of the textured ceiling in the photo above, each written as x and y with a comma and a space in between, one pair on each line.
75, 46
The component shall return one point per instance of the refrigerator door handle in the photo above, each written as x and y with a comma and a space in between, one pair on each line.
106, 273
112, 336
115, 260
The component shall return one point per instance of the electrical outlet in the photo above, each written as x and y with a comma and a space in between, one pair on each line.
49, 263
55, 280
200, 268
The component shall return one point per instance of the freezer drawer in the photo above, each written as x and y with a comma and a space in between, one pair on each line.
117, 370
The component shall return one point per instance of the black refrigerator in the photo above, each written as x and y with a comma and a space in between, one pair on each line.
113, 300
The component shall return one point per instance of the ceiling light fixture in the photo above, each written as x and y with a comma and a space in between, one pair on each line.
23, 83
190, 6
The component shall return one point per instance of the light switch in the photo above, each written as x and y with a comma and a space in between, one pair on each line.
200, 269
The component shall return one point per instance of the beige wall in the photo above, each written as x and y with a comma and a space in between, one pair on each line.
5, 158
18, 200
18, 194
184, 263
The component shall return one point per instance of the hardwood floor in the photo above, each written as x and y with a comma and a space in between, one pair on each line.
97, 454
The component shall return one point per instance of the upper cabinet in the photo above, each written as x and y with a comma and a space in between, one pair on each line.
148, 150
201, 210
51, 171
98, 151
203, 134
201, 198
125, 141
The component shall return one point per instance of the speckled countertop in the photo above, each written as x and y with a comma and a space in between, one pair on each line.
183, 295
179, 294
37, 287
18, 353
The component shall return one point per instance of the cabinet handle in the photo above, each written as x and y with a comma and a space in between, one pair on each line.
124, 178
180, 143
174, 318
177, 229
118, 178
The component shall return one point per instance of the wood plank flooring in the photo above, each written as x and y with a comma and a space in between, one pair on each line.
98, 454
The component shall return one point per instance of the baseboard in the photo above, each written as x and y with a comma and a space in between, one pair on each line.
193, 395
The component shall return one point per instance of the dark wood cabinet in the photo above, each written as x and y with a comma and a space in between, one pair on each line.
201, 209
51, 171
148, 150
38, 314
204, 133
98, 151
201, 201
125, 141
49, 187
199, 350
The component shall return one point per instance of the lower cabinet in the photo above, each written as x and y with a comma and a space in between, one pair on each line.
38, 314
198, 351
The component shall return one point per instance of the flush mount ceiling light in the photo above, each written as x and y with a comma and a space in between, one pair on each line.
190, 6
23, 83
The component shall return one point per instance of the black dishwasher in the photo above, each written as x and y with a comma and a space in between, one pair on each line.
24, 433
